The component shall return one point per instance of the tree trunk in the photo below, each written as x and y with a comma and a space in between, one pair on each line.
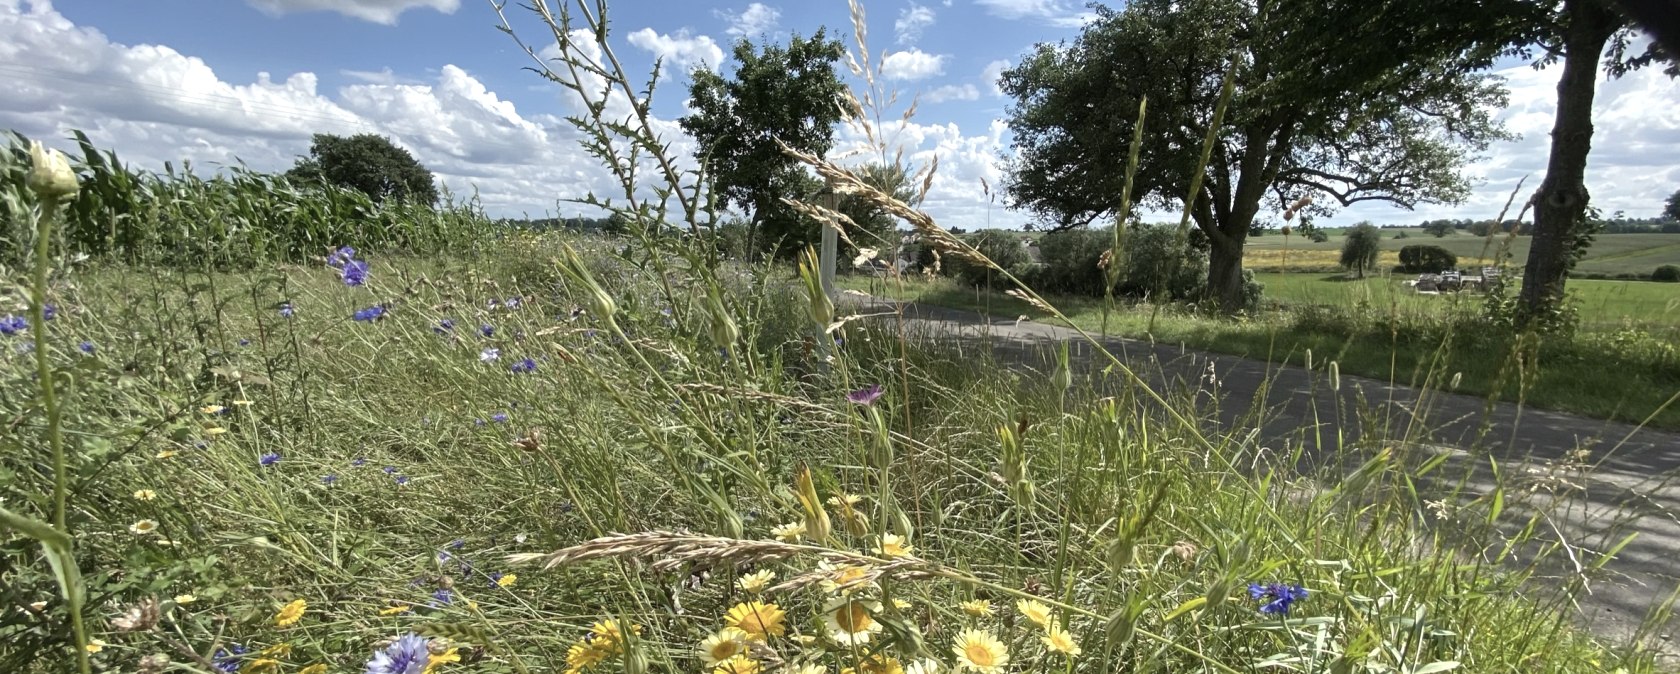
1225, 271
1560, 205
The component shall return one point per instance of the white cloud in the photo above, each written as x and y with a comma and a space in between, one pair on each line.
377, 11
912, 65
382, 76
956, 197
755, 19
952, 92
992, 72
1059, 13
912, 21
680, 52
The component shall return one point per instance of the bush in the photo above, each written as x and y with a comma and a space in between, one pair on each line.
1426, 259
1359, 251
1667, 273
1070, 262
1158, 265
1003, 248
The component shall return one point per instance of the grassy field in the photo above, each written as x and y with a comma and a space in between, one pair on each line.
506, 472
1622, 366
1610, 253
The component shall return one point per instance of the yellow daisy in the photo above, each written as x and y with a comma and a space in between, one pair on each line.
291, 613
1034, 610
507, 580
400, 608
810, 668
143, 527
789, 533
316, 668
276, 651
1059, 641
582, 656
214, 430
758, 619
893, 545
727, 643
184, 599
851, 622
754, 583
879, 663
980, 652
166, 454
978, 608
95, 645
900, 604
263, 666
144, 494
739, 664
212, 409
844, 578
607, 636
438, 660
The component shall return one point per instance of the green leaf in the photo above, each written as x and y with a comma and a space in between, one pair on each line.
1442, 666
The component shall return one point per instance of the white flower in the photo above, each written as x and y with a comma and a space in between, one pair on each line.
49, 172
490, 354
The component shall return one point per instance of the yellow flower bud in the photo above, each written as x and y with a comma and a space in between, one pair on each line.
817, 524
49, 172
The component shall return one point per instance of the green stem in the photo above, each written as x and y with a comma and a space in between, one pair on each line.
49, 401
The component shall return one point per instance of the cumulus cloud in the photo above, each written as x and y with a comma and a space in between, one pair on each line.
1058, 13
912, 65
992, 72
755, 19
680, 52
377, 11
956, 197
952, 92
382, 76
912, 21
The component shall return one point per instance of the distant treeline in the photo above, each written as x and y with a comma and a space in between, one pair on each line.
1621, 225
608, 225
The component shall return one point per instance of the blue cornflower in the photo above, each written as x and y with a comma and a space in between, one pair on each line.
489, 354
499, 417
525, 366
49, 312
329, 478
244, 342
285, 309
444, 326
343, 256
269, 459
369, 314
1277, 596
11, 325
495, 579
227, 659
443, 596
407, 655
478, 422
458, 543
390, 470
359, 461
402, 480
86, 347
511, 303
487, 330
355, 273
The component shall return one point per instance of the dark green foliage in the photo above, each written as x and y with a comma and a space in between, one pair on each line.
874, 224
368, 163
785, 93
1426, 259
1667, 273
1359, 251
1671, 209
1439, 228
1003, 248
1158, 265
1069, 261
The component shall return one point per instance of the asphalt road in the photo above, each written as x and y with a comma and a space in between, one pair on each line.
1626, 485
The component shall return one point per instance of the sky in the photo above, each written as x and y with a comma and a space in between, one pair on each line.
216, 82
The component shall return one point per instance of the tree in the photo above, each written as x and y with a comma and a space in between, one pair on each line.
1382, 103
787, 93
1359, 251
1439, 228
1577, 32
1671, 210
869, 217
366, 162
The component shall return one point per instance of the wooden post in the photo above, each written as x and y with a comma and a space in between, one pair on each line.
830, 241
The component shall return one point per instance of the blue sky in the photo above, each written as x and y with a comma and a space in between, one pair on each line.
216, 80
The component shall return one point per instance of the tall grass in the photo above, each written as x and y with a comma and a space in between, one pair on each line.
576, 455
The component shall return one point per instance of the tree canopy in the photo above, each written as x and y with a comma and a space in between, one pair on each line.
367, 162
787, 93
1360, 249
1671, 210
1382, 102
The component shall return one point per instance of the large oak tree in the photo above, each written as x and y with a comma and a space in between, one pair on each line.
1348, 100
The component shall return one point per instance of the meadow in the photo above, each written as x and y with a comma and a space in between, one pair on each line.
1610, 254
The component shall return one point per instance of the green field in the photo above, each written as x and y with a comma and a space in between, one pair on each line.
1609, 254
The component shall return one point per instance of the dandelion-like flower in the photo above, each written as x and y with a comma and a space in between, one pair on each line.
978, 608
489, 354
269, 459
407, 655
212, 409
755, 582
1058, 640
394, 610
1277, 597
507, 580
876, 663
291, 613
865, 396
893, 545
739, 664
144, 494
789, 533
95, 645
723, 645
524, 366
438, 660
844, 578
316, 668
1035, 611
167, 454
369, 314
184, 599
851, 622
143, 527
758, 619
980, 652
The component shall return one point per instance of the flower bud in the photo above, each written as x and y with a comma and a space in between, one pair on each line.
817, 525
49, 172
600, 303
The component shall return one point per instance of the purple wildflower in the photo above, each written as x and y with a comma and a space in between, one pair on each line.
359, 461
511, 303
227, 659
402, 480
407, 655
444, 326
11, 325
369, 314
487, 330
499, 417
355, 273
269, 459
285, 309
865, 396
525, 366
329, 478
1277, 596
495, 579
343, 256
244, 342
86, 347
458, 543
390, 470
442, 597
49, 312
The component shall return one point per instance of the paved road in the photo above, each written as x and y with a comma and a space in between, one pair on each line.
1628, 488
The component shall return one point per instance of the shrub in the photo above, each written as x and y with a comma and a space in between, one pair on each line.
1158, 265
1667, 273
1421, 259
1070, 262
1003, 248
1359, 251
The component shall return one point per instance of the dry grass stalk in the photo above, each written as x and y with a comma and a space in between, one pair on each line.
908, 567
674, 551
1030, 299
